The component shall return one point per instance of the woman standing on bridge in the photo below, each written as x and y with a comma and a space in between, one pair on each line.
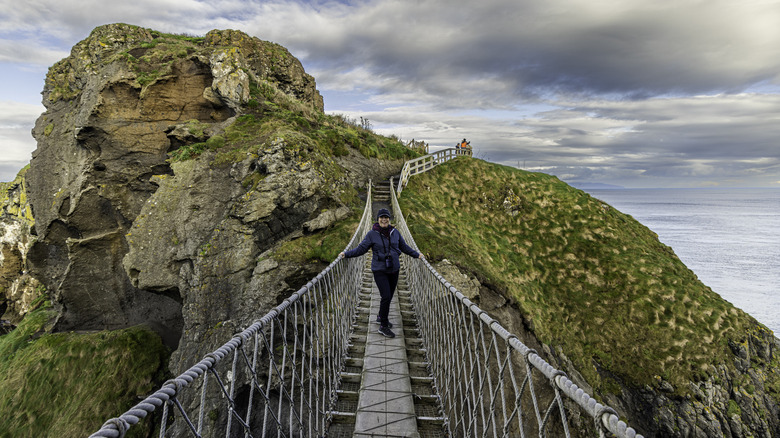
387, 244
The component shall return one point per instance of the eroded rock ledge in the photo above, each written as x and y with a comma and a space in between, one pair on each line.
112, 112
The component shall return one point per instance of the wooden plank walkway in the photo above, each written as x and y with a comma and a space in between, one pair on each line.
385, 403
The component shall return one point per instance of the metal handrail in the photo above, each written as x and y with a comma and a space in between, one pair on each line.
428, 162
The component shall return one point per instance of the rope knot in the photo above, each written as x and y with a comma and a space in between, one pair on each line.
600, 424
555, 374
176, 385
120, 425
213, 357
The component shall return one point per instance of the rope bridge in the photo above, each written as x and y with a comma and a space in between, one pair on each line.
290, 359
282, 376
488, 380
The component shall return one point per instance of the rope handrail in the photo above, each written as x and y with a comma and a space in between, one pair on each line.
428, 162
310, 367
476, 375
285, 369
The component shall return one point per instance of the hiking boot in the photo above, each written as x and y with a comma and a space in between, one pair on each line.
385, 331
389, 324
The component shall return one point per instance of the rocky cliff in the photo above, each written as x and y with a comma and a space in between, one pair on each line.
168, 171
174, 176
110, 108
116, 108
18, 290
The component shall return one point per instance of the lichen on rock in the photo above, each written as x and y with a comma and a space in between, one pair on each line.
18, 289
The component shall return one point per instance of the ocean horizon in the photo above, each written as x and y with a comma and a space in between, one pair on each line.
727, 236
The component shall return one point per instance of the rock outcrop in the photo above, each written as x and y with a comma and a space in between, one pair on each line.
110, 106
156, 199
18, 289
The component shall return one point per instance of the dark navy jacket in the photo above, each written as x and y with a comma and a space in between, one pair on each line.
378, 244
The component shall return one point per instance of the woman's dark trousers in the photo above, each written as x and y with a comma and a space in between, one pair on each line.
386, 282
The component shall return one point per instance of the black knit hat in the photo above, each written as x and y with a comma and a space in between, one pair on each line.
383, 212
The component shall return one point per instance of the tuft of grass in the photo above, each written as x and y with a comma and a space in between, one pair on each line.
187, 152
733, 409
589, 278
323, 245
68, 384
309, 137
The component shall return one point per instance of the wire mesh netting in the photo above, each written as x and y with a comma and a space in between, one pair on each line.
281, 376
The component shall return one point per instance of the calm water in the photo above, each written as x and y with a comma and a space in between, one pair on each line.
729, 237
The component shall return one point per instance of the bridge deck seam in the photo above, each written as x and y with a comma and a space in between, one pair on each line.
385, 402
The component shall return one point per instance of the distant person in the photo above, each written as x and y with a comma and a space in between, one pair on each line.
387, 244
465, 144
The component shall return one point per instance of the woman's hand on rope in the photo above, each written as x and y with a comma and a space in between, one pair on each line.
342, 255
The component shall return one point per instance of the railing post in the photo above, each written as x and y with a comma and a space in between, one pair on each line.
425, 163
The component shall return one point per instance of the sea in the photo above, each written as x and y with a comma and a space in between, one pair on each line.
730, 238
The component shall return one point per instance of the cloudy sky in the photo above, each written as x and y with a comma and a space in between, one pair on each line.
638, 93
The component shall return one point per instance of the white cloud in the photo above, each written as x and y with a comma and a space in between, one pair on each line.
634, 48
626, 89
25, 52
671, 140
16, 141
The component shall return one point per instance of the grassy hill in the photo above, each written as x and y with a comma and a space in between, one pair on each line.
68, 384
590, 279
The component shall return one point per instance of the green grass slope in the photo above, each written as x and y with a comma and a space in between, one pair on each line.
68, 384
272, 114
590, 279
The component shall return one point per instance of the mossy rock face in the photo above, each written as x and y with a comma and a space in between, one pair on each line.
590, 281
168, 171
13, 199
67, 78
18, 289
